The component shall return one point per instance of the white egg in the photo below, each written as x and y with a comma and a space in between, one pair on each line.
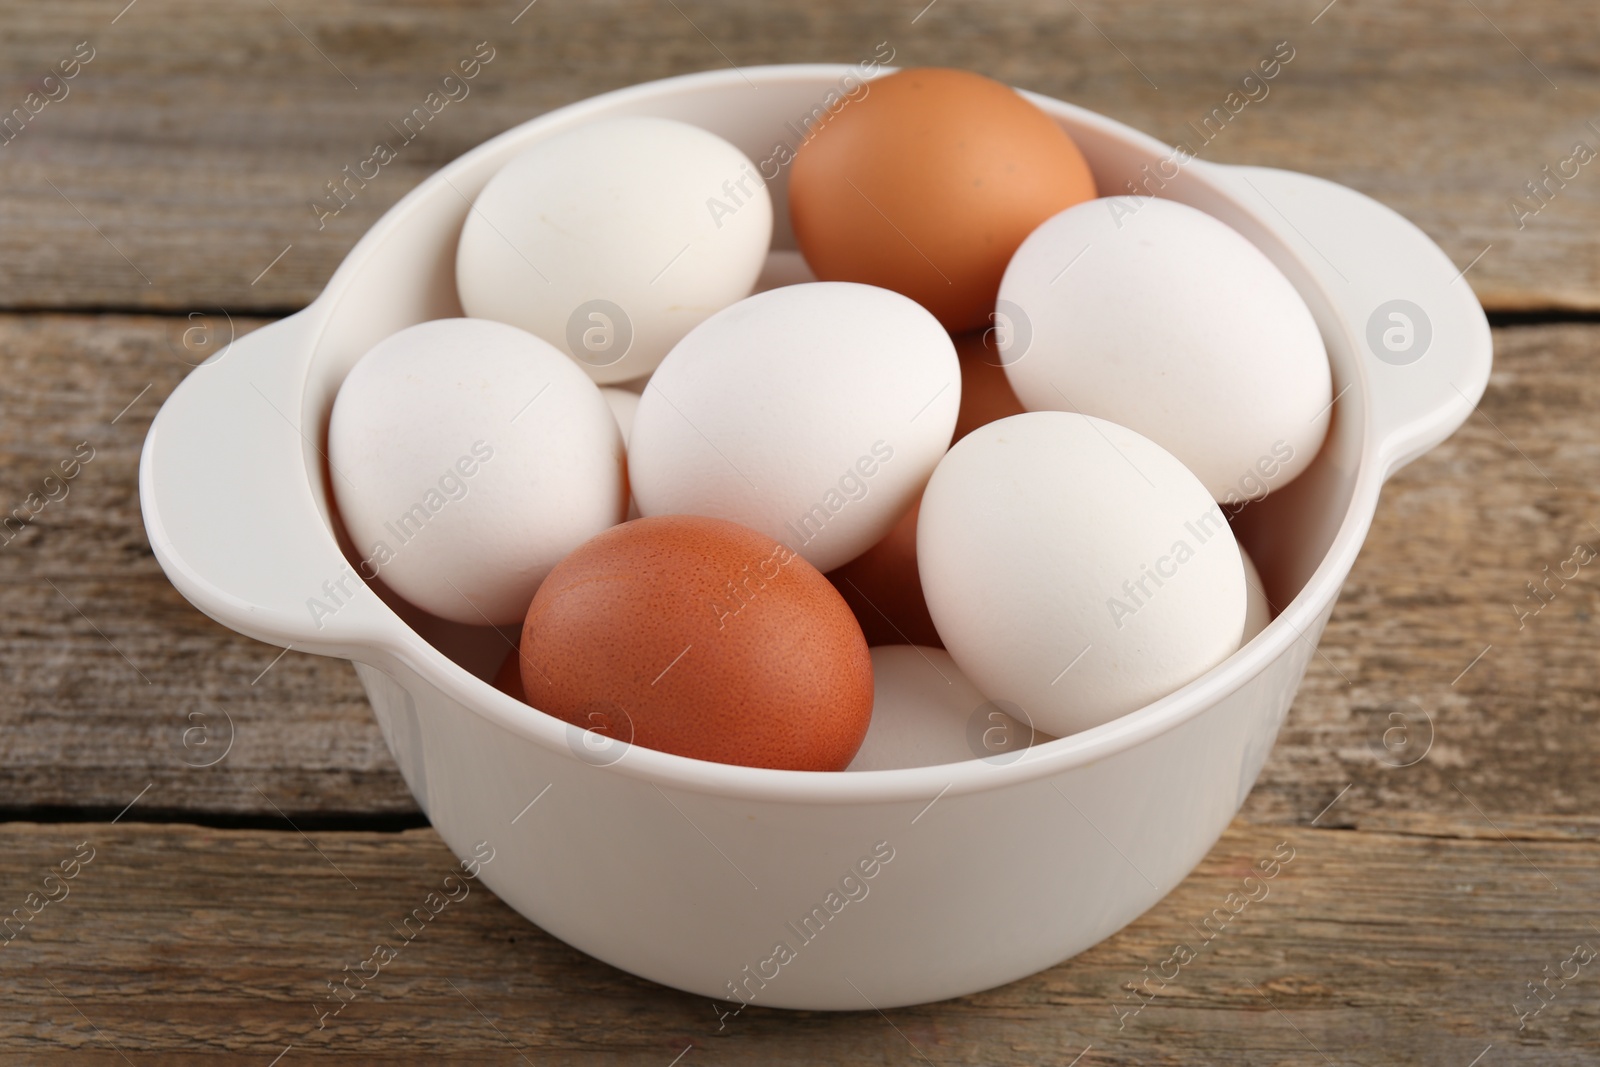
623, 403
1075, 568
1159, 317
468, 457
925, 712
812, 413
611, 240
1259, 610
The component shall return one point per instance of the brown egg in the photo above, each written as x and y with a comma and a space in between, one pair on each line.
703, 638
508, 679
884, 590
986, 393
882, 585
927, 184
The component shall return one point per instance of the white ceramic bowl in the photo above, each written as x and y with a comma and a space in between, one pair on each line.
692, 873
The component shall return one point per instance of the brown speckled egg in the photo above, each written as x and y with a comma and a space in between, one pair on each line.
702, 638
882, 586
927, 183
509, 678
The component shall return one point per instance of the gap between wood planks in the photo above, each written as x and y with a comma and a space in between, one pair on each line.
310, 821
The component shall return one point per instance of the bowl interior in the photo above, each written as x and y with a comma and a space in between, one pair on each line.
403, 273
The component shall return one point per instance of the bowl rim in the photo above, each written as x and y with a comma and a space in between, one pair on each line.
922, 785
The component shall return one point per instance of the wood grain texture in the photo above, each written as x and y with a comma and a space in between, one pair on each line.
183, 159
103, 660
1434, 777
179, 945
99, 704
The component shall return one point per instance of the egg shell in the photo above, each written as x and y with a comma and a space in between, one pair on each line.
882, 585
883, 589
813, 413
702, 638
635, 386
611, 240
1259, 610
1076, 569
925, 712
986, 393
926, 183
623, 403
467, 458
508, 679
1157, 316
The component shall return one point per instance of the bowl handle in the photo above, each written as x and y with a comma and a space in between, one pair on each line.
1405, 309
229, 509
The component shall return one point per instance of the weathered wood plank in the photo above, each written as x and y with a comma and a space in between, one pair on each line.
113, 681
184, 945
1456, 537
1440, 583
182, 160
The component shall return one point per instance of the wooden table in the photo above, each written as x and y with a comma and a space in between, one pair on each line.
248, 831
